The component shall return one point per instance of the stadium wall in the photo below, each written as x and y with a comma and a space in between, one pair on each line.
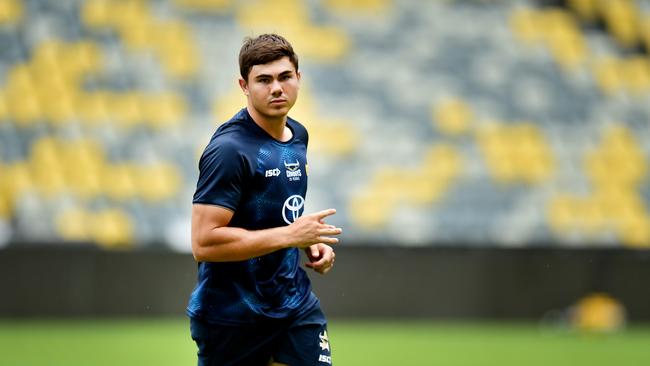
368, 281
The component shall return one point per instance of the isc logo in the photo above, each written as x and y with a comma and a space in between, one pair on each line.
325, 358
272, 173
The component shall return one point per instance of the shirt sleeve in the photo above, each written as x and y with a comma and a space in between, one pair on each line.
221, 175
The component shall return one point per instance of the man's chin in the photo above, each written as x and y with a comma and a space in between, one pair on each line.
278, 112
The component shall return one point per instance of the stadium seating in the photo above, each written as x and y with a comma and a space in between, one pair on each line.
455, 123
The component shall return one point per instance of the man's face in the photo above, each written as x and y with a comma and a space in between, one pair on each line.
272, 88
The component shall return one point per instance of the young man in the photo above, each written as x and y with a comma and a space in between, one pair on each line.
253, 303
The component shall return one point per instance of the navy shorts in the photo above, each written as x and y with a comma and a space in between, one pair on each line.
295, 342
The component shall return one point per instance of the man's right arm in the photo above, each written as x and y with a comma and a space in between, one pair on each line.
214, 241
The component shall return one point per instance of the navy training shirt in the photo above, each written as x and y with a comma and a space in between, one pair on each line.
264, 182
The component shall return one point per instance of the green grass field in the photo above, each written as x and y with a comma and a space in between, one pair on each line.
166, 342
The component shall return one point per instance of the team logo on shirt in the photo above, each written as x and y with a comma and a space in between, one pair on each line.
324, 341
293, 170
324, 346
293, 208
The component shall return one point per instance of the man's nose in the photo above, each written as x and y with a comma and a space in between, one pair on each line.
276, 87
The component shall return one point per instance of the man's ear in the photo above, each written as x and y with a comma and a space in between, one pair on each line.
298, 75
244, 86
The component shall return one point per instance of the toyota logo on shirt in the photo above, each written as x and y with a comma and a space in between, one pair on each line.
293, 208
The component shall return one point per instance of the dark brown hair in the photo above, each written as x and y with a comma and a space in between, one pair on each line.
264, 49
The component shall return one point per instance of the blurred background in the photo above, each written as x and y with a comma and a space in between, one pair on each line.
488, 160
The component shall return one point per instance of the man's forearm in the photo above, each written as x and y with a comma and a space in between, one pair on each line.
226, 244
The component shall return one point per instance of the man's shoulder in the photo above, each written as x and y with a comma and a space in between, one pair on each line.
231, 134
232, 127
298, 128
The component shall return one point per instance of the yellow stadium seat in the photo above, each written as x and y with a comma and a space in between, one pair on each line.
120, 181
621, 19
326, 43
388, 177
46, 165
20, 79
631, 206
536, 169
5, 209
46, 150
569, 49
533, 155
635, 232
17, 180
4, 107
332, 138
453, 117
578, 216
556, 23
494, 146
163, 110
73, 224
442, 161
635, 75
525, 25
617, 202
619, 159
608, 76
263, 14
140, 35
595, 220
49, 180
112, 228
227, 105
86, 56
560, 213
11, 11
556, 29
131, 13
370, 211
69, 61
99, 13
517, 153
424, 189
158, 182
359, 7
563, 37
179, 59
83, 163
47, 58
57, 109
586, 9
212, 6
125, 109
93, 108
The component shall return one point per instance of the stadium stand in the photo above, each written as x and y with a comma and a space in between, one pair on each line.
458, 123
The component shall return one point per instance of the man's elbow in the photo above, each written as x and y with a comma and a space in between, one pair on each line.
198, 252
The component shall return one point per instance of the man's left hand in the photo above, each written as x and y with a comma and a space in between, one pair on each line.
321, 257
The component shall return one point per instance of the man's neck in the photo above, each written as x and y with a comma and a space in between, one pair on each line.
273, 126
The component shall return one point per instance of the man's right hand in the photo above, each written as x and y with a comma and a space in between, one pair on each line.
311, 229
